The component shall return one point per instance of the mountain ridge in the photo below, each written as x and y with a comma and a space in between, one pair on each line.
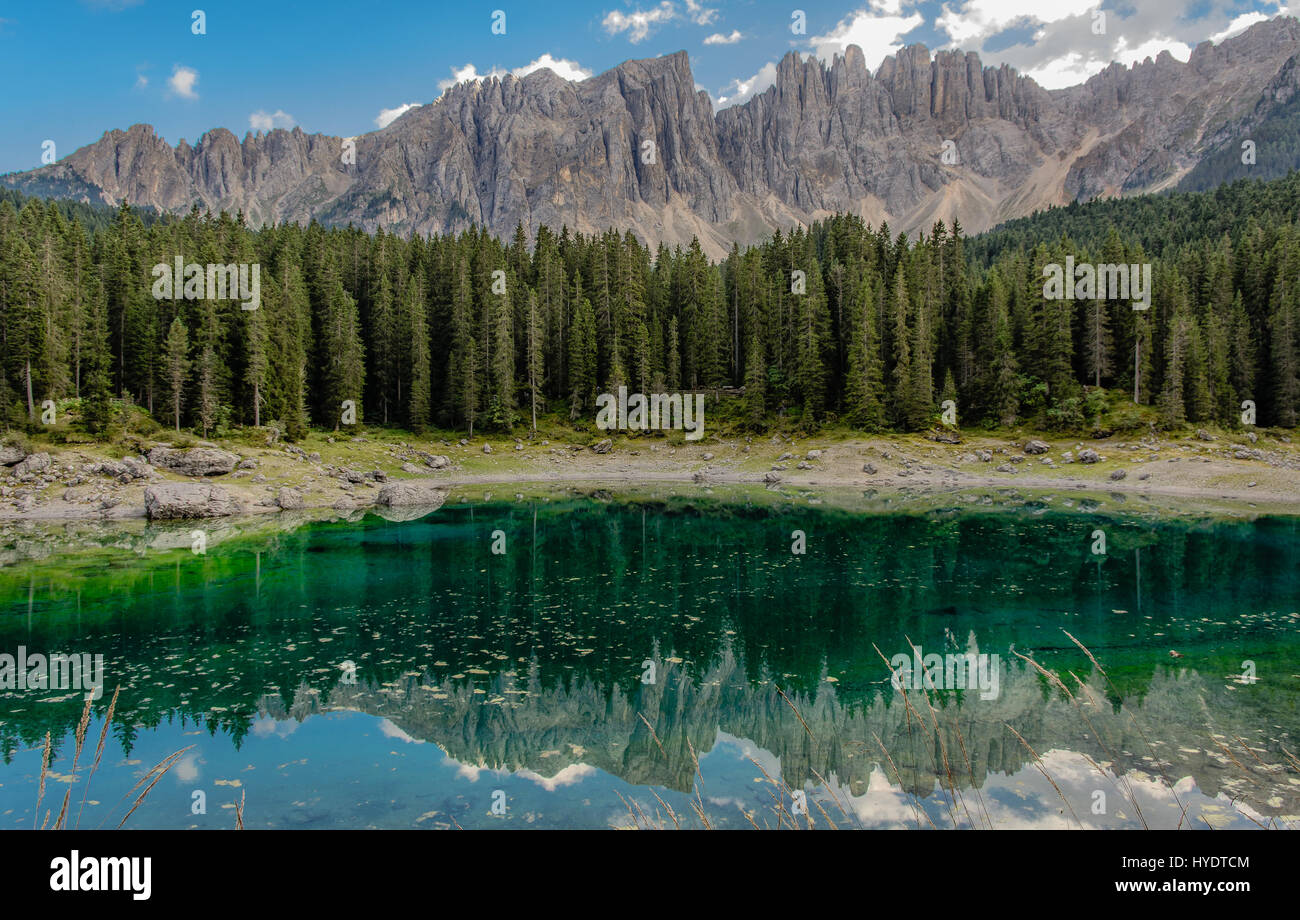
928, 136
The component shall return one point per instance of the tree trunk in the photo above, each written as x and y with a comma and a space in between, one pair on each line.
31, 406
1137, 367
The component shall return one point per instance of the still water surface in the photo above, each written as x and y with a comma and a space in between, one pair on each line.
648, 661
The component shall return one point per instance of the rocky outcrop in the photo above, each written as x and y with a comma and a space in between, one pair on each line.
168, 501
196, 461
10, 455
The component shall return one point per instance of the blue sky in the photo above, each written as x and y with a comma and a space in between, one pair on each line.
73, 69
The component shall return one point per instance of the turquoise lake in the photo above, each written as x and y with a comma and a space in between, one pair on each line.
664, 660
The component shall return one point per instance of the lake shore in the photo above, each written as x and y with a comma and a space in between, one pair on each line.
90, 482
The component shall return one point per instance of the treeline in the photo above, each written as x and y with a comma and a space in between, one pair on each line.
836, 323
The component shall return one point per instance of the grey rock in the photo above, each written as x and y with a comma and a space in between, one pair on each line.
197, 461
184, 500
1088, 455
1036, 447
1117, 475
434, 461
420, 492
33, 464
289, 499
10, 455
603, 447
136, 467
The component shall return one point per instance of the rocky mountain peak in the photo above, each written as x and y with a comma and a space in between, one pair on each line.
928, 136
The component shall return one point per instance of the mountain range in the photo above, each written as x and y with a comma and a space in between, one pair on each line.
926, 137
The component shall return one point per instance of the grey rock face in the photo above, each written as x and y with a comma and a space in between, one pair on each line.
288, 499
185, 500
10, 455
196, 461
824, 137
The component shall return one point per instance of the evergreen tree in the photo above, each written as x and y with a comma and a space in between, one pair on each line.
175, 366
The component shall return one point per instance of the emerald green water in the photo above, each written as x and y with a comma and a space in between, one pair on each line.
522, 673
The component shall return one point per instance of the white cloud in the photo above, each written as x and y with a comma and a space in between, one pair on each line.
572, 774
637, 23
467, 74
260, 121
737, 91
390, 730
1069, 70
569, 70
699, 15
387, 116
141, 81
978, 19
182, 82
877, 32
717, 38
561, 67
1150, 49
1244, 22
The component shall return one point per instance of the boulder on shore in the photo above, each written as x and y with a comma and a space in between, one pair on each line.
197, 461
412, 492
33, 463
174, 501
288, 499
